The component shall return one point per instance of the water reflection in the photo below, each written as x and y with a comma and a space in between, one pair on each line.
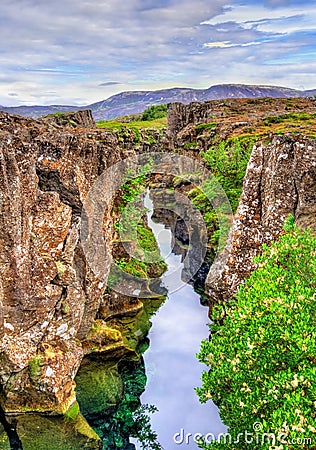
171, 366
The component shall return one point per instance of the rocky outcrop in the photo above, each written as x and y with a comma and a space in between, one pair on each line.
238, 112
81, 118
280, 180
49, 295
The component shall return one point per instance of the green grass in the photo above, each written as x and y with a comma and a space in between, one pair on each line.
291, 117
205, 126
112, 125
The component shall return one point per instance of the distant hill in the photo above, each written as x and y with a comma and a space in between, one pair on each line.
132, 102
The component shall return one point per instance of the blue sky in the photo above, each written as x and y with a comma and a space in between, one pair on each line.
81, 51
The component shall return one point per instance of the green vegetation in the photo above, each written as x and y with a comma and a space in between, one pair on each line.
73, 411
131, 419
144, 265
98, 386
153, 118
205, 126
133, 185
155, 112
35, 367
146, 261
228, 162
298, 116
262, 351
116, 126
191, 145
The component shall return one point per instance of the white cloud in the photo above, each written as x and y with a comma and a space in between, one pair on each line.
279, 20
75, 48
228, 44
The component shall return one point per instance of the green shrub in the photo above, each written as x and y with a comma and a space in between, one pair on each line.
262, 350
228, 161
155, 112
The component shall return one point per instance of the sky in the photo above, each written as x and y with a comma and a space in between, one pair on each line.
77, 52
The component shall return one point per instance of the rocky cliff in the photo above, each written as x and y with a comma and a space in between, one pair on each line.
49, 296
229, 115
280, 180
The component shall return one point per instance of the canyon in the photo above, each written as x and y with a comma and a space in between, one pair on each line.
57, 315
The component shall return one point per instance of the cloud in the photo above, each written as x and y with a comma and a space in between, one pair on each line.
109, 83
278, 20
228, 44
71, 46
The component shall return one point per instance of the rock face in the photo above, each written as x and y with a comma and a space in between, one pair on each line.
48, 294
82, 118
280, 180
182, 119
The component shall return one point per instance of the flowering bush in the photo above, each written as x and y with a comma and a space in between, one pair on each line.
262, 351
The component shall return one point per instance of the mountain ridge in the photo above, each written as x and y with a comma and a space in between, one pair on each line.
132, 102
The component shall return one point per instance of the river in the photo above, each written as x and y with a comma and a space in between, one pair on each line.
171, 366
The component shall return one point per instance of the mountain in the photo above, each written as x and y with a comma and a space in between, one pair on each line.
132, 102
38, 111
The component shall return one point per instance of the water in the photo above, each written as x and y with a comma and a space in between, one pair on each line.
171, 366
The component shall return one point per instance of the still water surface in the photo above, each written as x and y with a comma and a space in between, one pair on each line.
171, 366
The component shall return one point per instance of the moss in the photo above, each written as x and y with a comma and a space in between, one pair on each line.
191, 145
84, 428
65, 308
73, 411
61, 268
4, 440
99, 386
100, 329
130, 419
35, 367
38, 432
205, 126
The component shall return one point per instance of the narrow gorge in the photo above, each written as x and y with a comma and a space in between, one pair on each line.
73, 338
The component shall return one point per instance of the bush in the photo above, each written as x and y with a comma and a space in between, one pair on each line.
262, 350
228, 161
155, 112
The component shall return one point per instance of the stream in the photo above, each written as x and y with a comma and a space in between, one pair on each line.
171, 366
